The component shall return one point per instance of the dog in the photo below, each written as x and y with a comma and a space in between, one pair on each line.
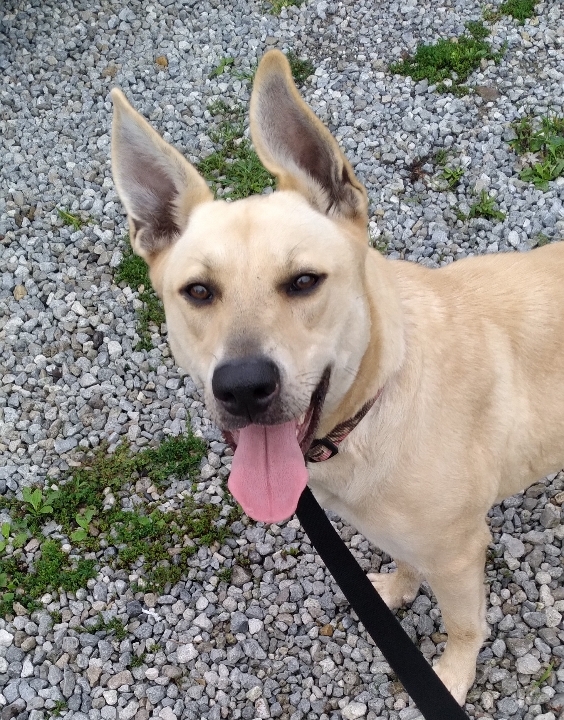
449, 381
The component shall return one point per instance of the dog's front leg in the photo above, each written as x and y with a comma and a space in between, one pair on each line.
457, 579
397, 588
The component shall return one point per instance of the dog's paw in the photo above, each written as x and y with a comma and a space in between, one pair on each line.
456, 679
394, 588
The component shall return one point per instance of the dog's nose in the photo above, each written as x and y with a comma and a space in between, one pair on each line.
246, 386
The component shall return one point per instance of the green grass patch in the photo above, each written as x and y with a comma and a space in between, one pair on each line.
521, 10
234, 170
543, 139
133, 271
162, 540
53, 570
71, 219
277, 5
448, 63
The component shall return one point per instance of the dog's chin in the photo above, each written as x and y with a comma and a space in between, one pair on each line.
306, 423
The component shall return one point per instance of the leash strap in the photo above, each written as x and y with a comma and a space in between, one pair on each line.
417, 676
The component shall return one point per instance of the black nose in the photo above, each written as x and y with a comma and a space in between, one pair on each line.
246, 386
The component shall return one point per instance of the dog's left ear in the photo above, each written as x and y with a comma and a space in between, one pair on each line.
158, 187
295, 146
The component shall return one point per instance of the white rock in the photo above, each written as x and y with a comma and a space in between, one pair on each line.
203, 621
527, 664
255, 625
6, 638
185, 653
114, 348
202, 602
354, 710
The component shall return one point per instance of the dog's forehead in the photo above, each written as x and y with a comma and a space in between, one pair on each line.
281, 226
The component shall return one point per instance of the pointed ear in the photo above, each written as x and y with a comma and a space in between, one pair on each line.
295, 146
157, 186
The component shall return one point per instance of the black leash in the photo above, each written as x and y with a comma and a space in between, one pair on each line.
417, 676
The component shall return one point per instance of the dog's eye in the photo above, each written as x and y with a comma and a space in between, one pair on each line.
198, 292
303, 283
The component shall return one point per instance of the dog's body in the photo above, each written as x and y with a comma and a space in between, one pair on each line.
467, 361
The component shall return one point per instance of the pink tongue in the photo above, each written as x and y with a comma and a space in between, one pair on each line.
268, 473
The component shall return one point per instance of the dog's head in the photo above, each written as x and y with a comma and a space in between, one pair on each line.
266, 298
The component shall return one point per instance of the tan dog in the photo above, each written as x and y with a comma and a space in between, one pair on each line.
289, 323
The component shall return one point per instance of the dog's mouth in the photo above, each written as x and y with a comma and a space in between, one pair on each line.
268, 473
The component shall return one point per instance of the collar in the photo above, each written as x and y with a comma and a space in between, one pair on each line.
327, 447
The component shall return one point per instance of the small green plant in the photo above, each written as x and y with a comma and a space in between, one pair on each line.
83, 520
58, 708
448, 63
544, 677
441, 157
521, 10
18, 532
133, 271
544, 139
114, 625
37, 503
452, 176
234, 168
301, 68
277, 5
486, 207
138, 660
224, 575
70, 219
223, 65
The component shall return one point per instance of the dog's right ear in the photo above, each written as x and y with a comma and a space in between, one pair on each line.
157, 186
297, 148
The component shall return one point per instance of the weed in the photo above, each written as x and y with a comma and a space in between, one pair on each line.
521, 10
133, 271
224, 575
541, 239
36, 503
301, 69
235, 168
452, 176
70, 219
545, 140
138, 660
224, 64
491, 15
449, 60
441, 157
114, 625
277, 5
477, 29
83, 519
544, 677
14, 534
57, 709
146, 533
53, 571
485, 207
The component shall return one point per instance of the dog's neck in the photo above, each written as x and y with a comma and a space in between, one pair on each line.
386, 349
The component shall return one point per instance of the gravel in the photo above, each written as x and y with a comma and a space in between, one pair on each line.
279, 640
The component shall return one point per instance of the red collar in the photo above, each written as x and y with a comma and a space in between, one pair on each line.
327, 447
